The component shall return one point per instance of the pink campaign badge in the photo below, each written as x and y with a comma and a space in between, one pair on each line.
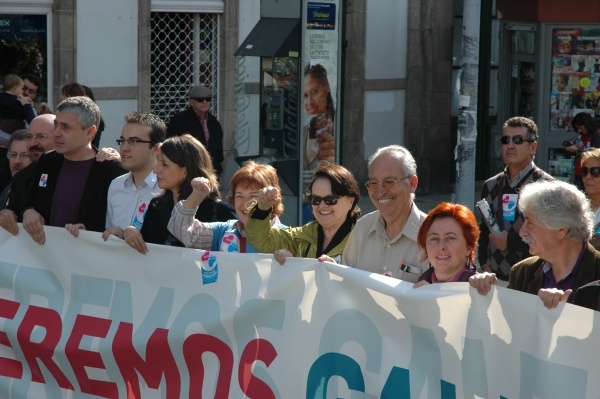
230, 243
43, 180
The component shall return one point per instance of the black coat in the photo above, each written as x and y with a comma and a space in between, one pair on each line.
21, 185
188, 122
92, 210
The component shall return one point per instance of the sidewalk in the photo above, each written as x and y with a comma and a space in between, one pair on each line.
425, 202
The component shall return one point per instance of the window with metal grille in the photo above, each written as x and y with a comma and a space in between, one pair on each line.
184, 52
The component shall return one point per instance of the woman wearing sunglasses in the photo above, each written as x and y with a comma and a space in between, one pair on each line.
590, 172
334, 196
229, 236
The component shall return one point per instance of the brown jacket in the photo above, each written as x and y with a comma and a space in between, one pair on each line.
528, 275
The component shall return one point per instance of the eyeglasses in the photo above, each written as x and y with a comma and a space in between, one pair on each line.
134, 141
517, 139
202, 99
594, 171
39, 136
315, 200
387, 183
15, 155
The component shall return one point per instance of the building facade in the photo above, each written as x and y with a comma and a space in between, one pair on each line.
395, 74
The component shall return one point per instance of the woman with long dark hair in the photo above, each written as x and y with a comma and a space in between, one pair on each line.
180, 160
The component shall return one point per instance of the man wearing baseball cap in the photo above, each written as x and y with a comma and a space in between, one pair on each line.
200, 123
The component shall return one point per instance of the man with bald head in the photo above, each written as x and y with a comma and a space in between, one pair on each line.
40, 139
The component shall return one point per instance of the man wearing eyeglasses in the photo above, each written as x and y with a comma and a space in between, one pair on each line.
200, 123
129, 195
18, 158
70, 186
499, 251
39, 139
385, 241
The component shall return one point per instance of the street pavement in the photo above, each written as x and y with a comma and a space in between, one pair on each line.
425, 202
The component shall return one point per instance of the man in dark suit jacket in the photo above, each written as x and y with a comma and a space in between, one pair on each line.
197, 121
70, 186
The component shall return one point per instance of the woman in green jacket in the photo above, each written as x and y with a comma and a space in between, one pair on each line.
334, 196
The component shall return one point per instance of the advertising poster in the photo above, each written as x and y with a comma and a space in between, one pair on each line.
575, 89
320, 91
575, 76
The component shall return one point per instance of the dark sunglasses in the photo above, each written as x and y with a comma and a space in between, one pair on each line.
315, 200
594, 171
517, 139
202, 99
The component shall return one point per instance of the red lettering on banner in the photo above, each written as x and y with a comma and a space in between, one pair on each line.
258, 349
50, 320
193, 348
9, 367
80, 358
159, 361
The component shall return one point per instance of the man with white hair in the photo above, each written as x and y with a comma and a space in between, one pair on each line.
558, 224
385, 241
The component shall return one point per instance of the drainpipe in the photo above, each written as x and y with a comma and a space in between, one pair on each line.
467, 117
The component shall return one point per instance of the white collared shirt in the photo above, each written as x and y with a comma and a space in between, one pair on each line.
127, 204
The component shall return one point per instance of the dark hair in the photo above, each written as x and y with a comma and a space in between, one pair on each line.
342, 182
186, 151
73, 90
36, 80
89, 92
586, 120
17, 135
463, 216
158, 131
253, 174
319, 72
521, 121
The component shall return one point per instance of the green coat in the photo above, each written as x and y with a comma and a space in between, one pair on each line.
300, 241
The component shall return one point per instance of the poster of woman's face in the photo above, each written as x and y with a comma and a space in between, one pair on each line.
320, 112
315, 95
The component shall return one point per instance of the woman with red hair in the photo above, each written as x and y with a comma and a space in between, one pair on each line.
448, 237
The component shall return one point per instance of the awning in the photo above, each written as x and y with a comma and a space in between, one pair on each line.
273, 37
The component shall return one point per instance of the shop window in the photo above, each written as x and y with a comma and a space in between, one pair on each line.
184, 52
24, 48
575, 76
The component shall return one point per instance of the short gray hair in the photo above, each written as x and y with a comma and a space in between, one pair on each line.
409, 165
88, 111
557, 205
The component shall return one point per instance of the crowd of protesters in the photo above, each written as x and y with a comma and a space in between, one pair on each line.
162, 187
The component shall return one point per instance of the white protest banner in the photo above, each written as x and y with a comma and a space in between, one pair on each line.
83, 318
